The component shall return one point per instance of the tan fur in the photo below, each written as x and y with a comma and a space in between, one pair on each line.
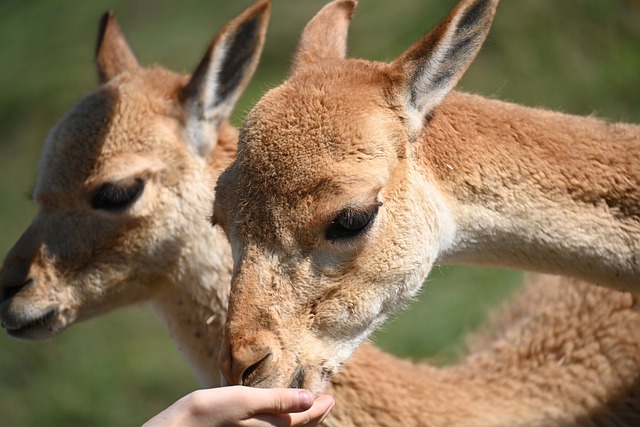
564, 353
141, 125
441, 177
574, 191
164, 252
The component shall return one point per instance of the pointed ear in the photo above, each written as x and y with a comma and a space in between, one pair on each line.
113, 54
432, 67
325, 36
223, 74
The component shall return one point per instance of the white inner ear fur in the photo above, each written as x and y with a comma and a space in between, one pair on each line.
425, 94
205, 112
217, 110
200, 133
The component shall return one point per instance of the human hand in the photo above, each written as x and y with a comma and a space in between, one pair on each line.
246, 407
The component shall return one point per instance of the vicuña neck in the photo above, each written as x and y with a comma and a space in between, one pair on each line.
539, 190
382, 390
563, 352
193, 307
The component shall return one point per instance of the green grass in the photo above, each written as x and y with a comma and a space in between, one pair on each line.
580, 57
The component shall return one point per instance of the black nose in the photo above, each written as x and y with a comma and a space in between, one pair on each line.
297, 381
11, 289
14, 277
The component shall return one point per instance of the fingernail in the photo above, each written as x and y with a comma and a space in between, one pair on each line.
326, 414
306, 398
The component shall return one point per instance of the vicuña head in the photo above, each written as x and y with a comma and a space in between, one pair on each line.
353, 178
124, 186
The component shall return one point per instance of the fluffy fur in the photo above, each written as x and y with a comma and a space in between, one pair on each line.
457, 178
563, 353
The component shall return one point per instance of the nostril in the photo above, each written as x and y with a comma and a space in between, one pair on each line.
298, 378
12, 290
249, 373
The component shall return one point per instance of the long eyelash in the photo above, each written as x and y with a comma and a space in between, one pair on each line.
358, 214
350, 217
352, 213
113, 197
351, 222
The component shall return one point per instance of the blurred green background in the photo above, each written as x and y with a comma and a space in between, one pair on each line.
580, 57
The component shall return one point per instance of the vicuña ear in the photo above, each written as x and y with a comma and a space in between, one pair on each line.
223, 74
113, 54
433, 66
325, 36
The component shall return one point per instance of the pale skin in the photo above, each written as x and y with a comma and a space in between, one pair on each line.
354, 178
245, 407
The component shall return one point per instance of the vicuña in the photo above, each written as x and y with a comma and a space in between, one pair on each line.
353, 178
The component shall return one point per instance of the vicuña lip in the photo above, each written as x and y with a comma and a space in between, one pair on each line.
29, 325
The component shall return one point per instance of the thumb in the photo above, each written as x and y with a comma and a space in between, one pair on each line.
281, 401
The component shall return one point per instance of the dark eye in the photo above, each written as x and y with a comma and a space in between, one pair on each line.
115, 196
351, 222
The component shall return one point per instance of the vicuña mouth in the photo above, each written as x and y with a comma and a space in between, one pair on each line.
31, 325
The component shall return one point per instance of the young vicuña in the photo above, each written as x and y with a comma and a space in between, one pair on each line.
124, 191
353, 178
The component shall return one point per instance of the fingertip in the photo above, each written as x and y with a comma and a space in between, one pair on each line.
326, 404
306, 399
326, 400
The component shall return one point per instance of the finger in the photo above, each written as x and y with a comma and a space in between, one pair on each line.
317, 413
309, 418
280, 401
